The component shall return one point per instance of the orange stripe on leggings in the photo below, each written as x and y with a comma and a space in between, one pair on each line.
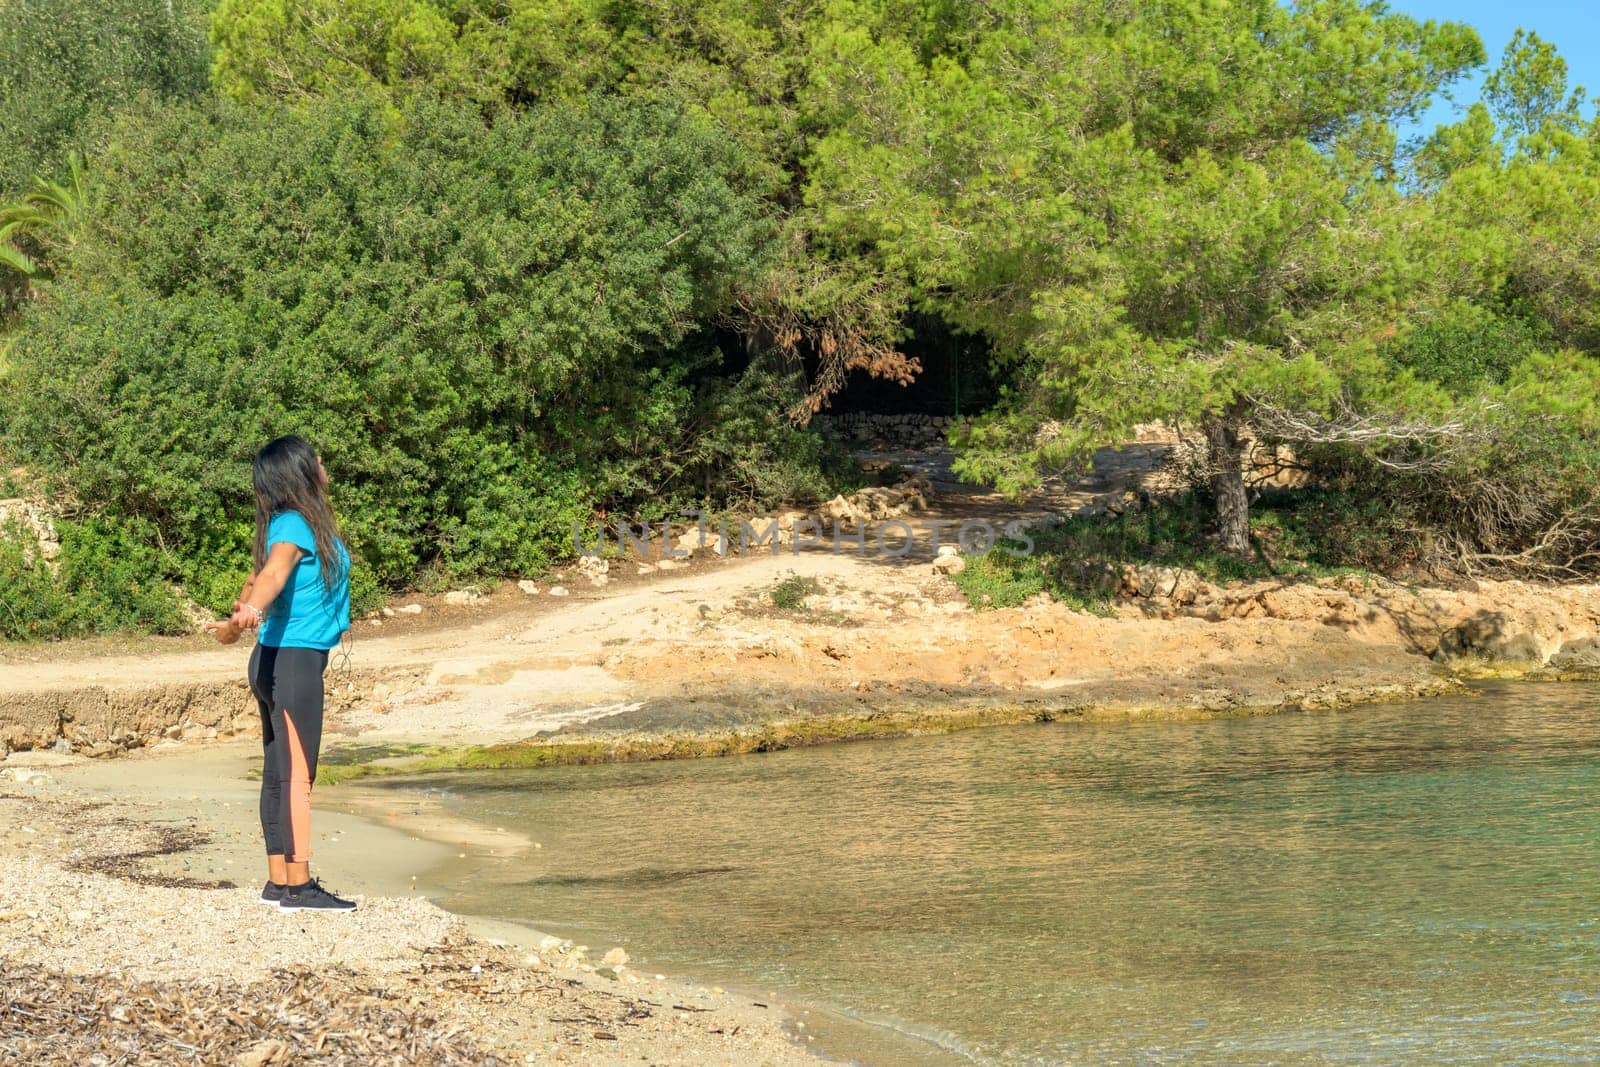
299, 796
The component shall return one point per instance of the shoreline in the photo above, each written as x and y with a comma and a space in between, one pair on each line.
834, 1034
113, 856
913, 716
108, 865
182, 818
701, 662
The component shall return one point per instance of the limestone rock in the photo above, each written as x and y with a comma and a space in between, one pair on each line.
37, 520
1490, 635
1157, 581
841, 511
689, 542
1187, 588
461, 598
950, 564
595, 569
1582, 654
876, 503
529, 587
558, 590
410, 609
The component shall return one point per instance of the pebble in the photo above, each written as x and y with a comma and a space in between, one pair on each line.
411, 609
558, 590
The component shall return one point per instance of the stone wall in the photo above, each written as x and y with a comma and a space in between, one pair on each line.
866, 429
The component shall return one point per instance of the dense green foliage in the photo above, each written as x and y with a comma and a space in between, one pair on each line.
106, 578
65, 63
514, 263
488, 331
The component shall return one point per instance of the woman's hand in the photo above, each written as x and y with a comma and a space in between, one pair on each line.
244, 617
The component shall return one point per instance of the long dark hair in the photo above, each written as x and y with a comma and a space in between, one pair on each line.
286, 478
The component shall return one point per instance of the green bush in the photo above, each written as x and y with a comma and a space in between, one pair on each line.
106, 577
1467, 346
1515, 491
64, 63
998, 580
488, 332
1298, 532
790, 594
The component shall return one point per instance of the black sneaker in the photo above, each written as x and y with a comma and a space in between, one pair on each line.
271, 893
312, 897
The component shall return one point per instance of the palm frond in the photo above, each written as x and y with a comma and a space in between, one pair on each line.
21, 216
13, 260
52, 199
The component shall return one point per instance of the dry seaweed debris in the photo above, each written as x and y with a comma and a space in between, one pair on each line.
129, 866
294, 1017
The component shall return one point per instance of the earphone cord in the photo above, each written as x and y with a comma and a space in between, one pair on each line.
341, 660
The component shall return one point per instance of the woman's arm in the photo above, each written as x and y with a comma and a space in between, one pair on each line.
267, 584
244, 591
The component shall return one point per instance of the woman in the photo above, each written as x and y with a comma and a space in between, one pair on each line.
299, 596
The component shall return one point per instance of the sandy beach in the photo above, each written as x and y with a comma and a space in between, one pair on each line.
131, 934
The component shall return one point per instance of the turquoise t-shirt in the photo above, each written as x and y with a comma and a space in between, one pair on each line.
305, 615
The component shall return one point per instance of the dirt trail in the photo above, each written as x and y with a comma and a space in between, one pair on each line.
703, 649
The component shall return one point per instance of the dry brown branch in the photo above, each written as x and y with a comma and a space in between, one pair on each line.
1377, 432
853, 333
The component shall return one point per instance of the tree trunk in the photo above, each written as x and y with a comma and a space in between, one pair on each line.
1227, 485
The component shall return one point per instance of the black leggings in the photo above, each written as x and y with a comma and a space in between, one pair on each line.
287, 683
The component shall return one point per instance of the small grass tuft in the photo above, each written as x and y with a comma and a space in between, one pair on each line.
790, 594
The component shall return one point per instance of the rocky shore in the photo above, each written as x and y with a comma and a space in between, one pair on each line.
742, 654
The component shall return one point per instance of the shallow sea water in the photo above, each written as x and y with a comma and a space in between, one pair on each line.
1403, 884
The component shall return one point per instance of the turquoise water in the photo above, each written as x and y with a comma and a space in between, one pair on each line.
1410, 884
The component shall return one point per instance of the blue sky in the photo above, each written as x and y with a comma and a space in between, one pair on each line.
1573, 26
